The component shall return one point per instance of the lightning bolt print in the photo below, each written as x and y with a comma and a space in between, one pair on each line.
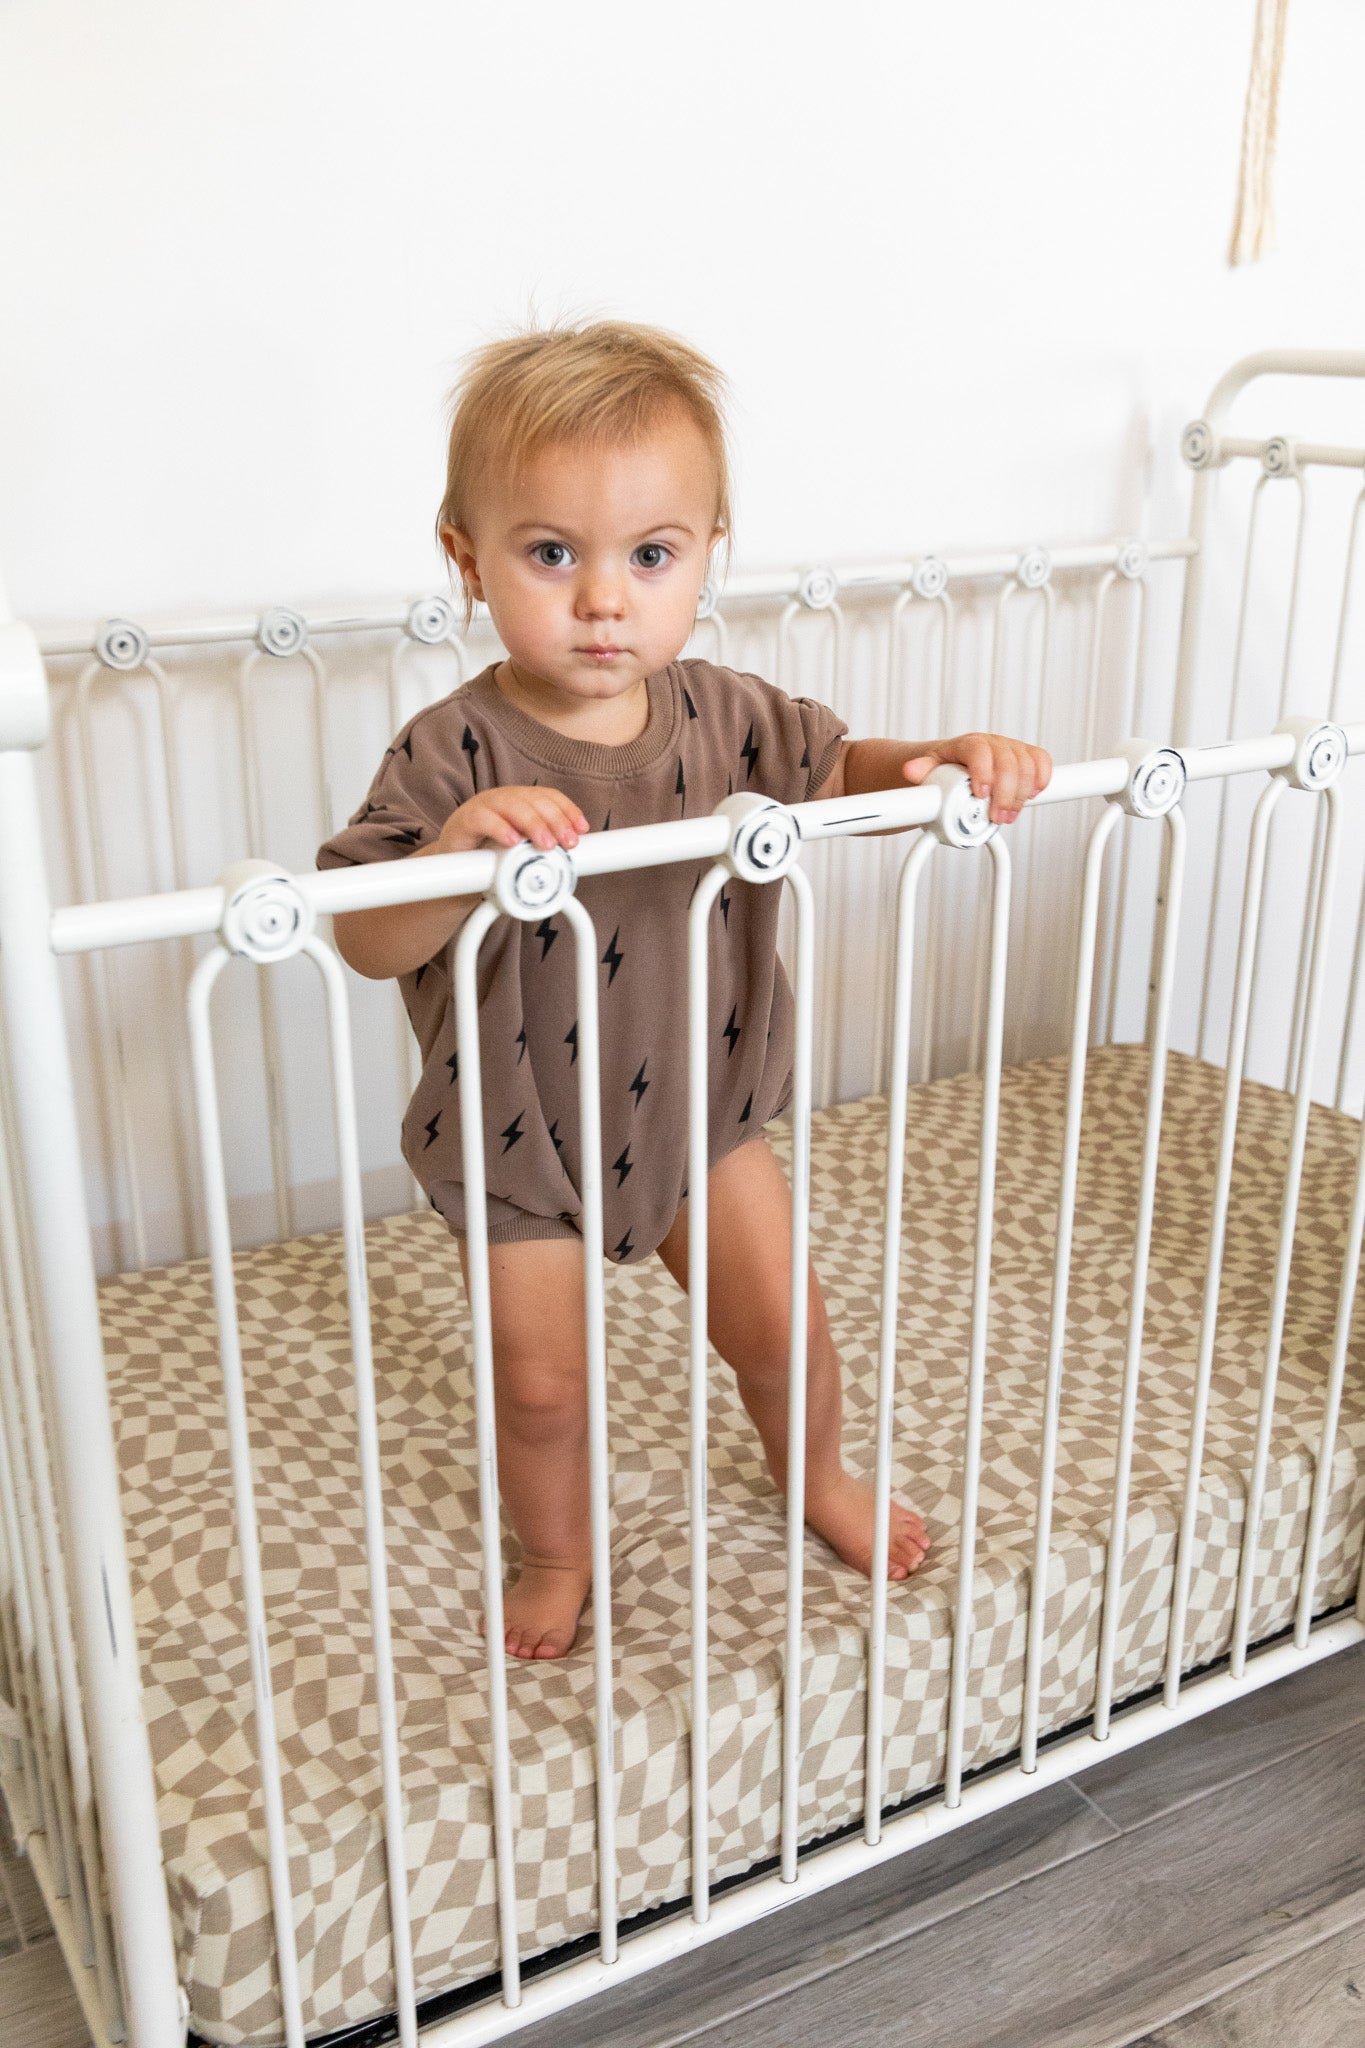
520, 1040
571, 1040
454, 1064
612, 958
513, 1132
623, 1167
431, 1130
731, 1032
624, 1249
680, 788
638, 1086
555, 1138
748, 1106
749, 752
725, 907
470, 745
547, 935
691, 707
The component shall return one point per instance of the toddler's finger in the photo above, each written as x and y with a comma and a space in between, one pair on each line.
915, 769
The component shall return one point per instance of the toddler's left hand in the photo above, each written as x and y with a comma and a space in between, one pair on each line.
1007, 771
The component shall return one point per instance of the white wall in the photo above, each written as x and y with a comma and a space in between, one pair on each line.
957, 260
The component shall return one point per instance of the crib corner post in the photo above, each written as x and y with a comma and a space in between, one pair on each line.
49, 1173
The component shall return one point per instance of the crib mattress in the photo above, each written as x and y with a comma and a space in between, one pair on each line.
172, 1441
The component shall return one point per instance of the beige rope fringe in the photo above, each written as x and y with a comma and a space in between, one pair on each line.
1253, 227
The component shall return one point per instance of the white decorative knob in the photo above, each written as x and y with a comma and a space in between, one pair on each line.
1033, 568
1157, 781
1199, 445
1131, 560
282, 632
818, 589
1319, 755
529, 883
265, 916
930, 578
708, 597
963, 819
431, 620
764, 839
1278, 457
121, 644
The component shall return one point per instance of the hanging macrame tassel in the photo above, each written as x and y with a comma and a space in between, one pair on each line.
1253, 228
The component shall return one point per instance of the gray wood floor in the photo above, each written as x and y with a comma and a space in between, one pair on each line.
1206, 1890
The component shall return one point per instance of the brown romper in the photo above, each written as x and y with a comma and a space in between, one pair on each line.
710, 731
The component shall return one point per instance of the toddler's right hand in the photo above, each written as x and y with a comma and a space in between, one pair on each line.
544, 816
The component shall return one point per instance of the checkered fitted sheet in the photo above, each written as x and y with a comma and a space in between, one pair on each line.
164, 1381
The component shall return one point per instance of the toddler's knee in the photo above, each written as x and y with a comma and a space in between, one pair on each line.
542, 1397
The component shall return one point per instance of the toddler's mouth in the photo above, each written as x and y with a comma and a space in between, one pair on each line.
602, 653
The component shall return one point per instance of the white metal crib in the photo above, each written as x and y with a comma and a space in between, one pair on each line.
75, 1763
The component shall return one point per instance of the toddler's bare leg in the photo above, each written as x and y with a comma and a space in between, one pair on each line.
749, 1313
540, 1379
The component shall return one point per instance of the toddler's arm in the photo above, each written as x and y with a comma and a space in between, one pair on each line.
399, 937
1007, 771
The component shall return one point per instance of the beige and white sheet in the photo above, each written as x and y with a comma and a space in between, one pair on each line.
173, 1452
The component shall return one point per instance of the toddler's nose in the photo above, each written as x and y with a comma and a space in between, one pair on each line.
600, 597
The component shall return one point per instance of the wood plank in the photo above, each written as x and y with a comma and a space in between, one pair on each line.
38, 2008
20, 1894
1109, 1945
1245, 1735
1316, 2000
837, 1926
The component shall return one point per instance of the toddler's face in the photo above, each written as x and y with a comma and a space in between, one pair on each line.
592, 560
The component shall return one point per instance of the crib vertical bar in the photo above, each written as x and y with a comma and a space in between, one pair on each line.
67, 1753
984, 940
708, 888
932, 937
409, 1051
1302, 949
49, 1155
105, 977
981, 1296
466, 956
1348, 1029
1029, 823
1208, 1325
371, 1479
834, 930
899, 1091
1289, 1216
1295, 584
590, 1128
1336, 1376
804, 978
1100, 835
1234, 695
265, 986
1137, 1293
248, 1537
885, 941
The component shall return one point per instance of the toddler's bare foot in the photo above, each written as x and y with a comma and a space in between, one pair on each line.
843, 1515
540, 1612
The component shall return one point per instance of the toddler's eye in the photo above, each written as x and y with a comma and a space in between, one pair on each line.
651, 554
551, 554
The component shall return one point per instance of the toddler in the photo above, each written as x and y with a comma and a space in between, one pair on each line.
587, 485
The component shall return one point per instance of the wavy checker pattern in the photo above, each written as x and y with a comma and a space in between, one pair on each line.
163, 1367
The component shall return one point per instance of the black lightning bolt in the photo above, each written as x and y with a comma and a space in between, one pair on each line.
571, 1040
408, 836
623, 1167
612, 959
431, 1130
748, 1105
547, 935
470, 745
691, 707
606, 822
555, 1138
729, 785
749, 752
731, 1032
639, 1084
417, 978
454, 1064
406, 744
680, 788
805, 758
725, 908
624, 1249
513, 1131
520, 1040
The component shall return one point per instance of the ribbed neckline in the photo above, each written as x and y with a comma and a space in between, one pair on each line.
586, 757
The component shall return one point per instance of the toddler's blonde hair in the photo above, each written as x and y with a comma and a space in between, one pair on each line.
603, 384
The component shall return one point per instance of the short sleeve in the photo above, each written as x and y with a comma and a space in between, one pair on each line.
417, 786
823, 731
